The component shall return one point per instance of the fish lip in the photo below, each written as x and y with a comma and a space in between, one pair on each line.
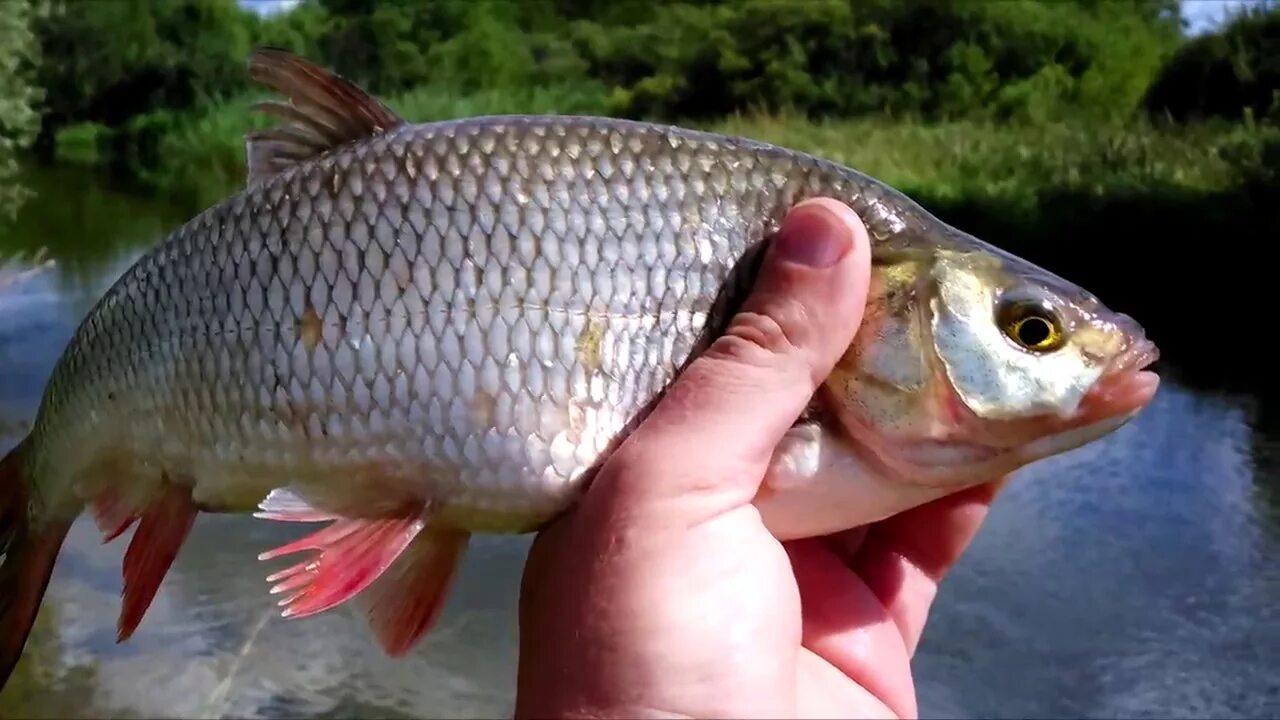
1125, 386
1139, 355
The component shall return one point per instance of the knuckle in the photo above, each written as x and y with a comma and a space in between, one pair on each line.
755, 338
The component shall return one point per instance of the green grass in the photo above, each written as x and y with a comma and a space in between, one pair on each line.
948, 162
1012, 181
958, 160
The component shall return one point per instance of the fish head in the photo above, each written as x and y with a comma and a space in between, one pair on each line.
971, 363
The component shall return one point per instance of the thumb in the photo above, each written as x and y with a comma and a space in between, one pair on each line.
715, 429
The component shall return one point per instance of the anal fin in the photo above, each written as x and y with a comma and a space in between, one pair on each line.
404, 603
163, 528
352, 554
400, 567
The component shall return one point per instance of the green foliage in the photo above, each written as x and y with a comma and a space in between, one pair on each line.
1233, 74
19, 56
472, 46
203, 153
952, 161
108, 62
1010, 59
81, 143
1025, 59
298, 30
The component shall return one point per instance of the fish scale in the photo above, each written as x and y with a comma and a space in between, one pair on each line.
462, 325
416, 332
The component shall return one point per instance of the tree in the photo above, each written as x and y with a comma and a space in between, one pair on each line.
1230, 73
19, 56
106, 62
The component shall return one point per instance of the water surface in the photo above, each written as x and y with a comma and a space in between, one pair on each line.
1136, 577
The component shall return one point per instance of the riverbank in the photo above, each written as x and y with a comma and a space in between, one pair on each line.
950, 161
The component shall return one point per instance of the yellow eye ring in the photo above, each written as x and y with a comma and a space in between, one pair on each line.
1031, 326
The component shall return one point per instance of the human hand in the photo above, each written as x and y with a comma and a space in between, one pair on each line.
661, 593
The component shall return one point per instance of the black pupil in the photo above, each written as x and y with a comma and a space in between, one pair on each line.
1034, 331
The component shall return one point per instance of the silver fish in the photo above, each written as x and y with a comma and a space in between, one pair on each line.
415, 332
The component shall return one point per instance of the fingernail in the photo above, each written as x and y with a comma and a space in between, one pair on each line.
812, 236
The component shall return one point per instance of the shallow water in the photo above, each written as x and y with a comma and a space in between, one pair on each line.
1138, 576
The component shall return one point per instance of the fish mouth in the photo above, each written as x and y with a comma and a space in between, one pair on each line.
1140, 354
1125, 387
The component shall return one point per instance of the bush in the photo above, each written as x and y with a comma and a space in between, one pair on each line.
1013, 59
82, 143
1232, 74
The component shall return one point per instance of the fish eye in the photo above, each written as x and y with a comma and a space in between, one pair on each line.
1034, 326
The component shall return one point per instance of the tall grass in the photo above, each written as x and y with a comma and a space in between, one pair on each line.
949, 162
957, 159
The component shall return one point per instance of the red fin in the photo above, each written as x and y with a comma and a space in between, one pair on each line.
404, 603
160, 534
27, 555
113, 514
352, 554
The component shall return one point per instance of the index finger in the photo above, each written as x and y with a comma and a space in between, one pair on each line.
903, 559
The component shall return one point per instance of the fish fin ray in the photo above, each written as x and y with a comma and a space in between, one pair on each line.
350, 554
113, 514
285, 505
27, 556
324, 111
162, 529
405, 602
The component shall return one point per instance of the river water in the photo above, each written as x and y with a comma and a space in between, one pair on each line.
1136, 577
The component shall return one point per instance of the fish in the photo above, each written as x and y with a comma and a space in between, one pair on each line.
411, 333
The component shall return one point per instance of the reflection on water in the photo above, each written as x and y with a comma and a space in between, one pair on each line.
1134, 577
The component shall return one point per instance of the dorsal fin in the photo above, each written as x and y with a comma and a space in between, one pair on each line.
323, 112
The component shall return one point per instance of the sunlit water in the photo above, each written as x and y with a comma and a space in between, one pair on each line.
1139, 576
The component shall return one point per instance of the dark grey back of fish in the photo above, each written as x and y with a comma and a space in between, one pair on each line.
486, 302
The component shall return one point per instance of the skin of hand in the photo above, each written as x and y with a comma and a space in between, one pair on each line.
661, 593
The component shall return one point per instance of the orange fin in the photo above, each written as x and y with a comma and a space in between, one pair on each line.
162, 530
404, 603
352, 554
27, 556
